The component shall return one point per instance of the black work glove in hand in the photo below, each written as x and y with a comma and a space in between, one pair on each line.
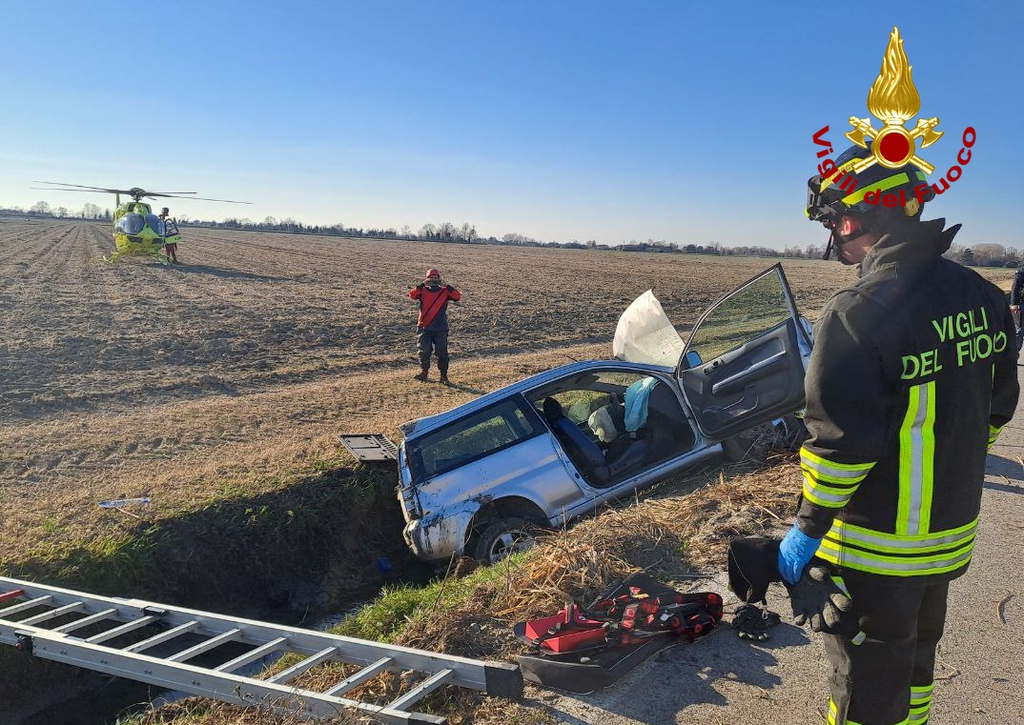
752, 622
818, 600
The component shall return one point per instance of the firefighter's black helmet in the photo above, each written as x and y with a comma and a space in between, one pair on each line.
830, 198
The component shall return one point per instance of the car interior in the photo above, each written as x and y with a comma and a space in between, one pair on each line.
614, 426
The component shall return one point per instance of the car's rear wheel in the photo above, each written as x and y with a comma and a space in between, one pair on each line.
504, 537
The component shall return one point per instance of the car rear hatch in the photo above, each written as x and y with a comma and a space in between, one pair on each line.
369, 447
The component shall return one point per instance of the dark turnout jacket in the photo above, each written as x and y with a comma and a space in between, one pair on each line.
912, 375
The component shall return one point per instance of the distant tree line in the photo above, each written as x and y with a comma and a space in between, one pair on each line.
979, 255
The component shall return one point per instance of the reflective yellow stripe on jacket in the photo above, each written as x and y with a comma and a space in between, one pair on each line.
917, 461
828, 483
993, 433
910, 548
878, 552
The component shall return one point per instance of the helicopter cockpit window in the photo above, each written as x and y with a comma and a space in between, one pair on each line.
155, 223
131, 223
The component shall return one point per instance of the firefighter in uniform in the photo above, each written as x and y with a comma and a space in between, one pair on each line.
432, 325
912, 376
1016, 297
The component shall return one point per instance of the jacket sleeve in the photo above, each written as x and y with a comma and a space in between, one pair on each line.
415, 293
1005, 388
847, 415
454, 295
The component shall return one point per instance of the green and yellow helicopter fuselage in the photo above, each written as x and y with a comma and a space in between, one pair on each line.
140, 232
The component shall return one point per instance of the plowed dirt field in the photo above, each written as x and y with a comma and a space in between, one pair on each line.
198, 382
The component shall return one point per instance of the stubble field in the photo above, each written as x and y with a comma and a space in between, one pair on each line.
206, 381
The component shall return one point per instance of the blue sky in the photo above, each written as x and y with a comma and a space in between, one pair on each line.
688, 122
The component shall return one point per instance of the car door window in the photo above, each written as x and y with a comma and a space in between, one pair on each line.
473, 437
742, 364
761, 306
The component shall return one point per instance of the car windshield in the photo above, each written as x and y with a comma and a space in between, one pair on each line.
131, 223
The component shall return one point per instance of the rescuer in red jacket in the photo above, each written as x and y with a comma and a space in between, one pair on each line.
433, 296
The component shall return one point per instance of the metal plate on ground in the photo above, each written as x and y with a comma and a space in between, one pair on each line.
370, 447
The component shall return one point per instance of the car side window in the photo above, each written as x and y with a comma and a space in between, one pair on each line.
746, 314
480, 434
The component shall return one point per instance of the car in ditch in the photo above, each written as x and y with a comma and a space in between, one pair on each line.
483, 477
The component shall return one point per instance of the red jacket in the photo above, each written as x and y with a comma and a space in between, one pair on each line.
433, 304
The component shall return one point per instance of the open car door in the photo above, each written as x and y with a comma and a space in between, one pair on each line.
742, 364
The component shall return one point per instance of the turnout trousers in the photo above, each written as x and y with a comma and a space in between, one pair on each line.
888, 678
435, 341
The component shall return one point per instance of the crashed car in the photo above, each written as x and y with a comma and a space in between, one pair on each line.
482, 478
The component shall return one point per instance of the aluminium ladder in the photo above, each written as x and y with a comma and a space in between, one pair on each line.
44, 620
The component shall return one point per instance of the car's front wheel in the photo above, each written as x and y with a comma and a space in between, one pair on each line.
504, 537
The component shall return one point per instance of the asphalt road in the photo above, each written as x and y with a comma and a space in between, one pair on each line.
783, 681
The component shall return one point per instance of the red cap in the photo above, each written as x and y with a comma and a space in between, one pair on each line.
433, 273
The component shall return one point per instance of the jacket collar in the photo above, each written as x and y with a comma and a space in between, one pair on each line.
909, 242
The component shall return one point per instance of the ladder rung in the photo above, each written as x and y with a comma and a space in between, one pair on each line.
204, 646
124, 628
162, 637
306, 664
261, 651
53, 613
85, 621
422, 690
365, 674
15, 608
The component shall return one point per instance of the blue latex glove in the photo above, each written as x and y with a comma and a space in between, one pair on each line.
795, 552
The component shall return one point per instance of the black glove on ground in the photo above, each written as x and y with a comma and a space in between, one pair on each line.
752, 622
817, 600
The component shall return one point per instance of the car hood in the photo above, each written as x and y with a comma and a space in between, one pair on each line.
646, 335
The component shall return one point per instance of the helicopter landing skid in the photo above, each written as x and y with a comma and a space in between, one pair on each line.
159, 256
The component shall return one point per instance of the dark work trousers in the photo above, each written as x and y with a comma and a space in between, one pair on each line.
436, 340
887, 679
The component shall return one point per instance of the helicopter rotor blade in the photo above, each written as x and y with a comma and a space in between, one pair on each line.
200, 198
79, 187
134, 193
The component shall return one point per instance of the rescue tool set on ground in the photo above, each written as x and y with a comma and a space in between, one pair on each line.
586, 648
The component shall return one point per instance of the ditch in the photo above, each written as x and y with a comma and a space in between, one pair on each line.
292, 557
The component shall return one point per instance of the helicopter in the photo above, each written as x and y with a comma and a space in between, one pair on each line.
137, 230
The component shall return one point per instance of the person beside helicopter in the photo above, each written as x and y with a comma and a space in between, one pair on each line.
170, 248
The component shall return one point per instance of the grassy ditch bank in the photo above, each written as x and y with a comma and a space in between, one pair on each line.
676, 533
308, 547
